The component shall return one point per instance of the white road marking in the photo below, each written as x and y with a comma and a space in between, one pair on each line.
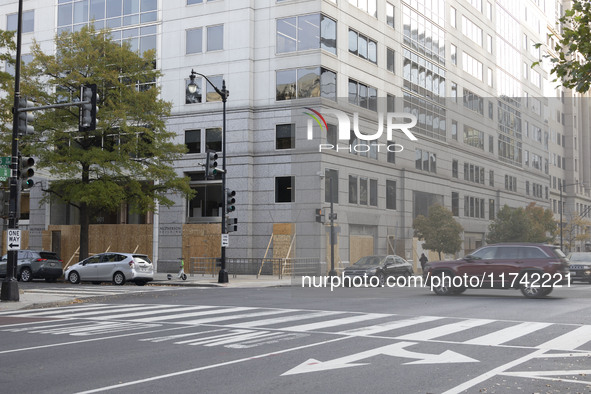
335, 322
569, 341
446, 329
160, 311
279, 320
370, 330
193, 314
233, 317
507, 334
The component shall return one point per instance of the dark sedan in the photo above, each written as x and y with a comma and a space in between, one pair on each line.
380, 267
33, 264
579, 265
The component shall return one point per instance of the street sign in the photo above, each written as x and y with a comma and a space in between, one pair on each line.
4, 172
13, 239
225, 240
5, 161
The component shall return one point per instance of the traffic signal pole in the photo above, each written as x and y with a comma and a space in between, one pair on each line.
9, 291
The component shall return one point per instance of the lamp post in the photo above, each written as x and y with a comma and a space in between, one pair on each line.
563, 186
224, 93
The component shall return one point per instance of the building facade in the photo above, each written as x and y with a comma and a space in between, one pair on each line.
490, 128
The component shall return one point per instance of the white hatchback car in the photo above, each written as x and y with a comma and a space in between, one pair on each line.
116, 267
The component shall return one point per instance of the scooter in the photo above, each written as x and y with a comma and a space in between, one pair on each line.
181, 274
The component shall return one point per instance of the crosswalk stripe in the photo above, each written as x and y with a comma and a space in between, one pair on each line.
235, 317
335, 322
56, 308
169, 311
116, 309
192, 314
284, 319
507, 334
375, 329
570, 340
64, 312
446, 329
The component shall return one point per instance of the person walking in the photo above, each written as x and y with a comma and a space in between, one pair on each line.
423, 259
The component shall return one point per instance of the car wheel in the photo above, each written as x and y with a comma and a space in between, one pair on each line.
534, 291
26, 274
443, 289
381, 279
119, 278
74, 277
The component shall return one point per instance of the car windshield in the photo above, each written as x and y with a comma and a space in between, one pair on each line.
580, 257
141, 259
369, 261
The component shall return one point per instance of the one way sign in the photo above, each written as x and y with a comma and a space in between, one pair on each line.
13, 239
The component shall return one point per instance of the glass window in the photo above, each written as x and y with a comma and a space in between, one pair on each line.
114, 8
193, 141
390, 60
308, 32
363, 198
308, 83
64, 16
28, 21
215, 38
390, 14
206, 201
189, 2
286, 84
390, 194
352, 189
286, 35
194, 40
328, 34
211, 94
213, 139
285, 136
284, 189
191, 98
373, 192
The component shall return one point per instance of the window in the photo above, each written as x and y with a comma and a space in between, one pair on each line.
454, 92
474, 207
471, 30
193, 141
305, 82
454, 168
194, 40
192, 98
390, 194
489, 45
390, 14
454, 54
215, 38
390, 103
369, 6
284, 189
390, 58
334, 176
454, 130
425, 161
213, 139
491, 209
455, 203
28, 22
391, 154
473, 137
306, 32
206, 203
285, 136
352, 189
472, 66
210, 93
363, 95
452, 16
363, 191
473, 102
373, 192
362, 46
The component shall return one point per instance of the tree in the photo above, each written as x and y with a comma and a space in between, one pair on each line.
575, 229
573, 47
439, 229
128, 158
7, 46
532, 224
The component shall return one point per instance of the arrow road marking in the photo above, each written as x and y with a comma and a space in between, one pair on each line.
394, 350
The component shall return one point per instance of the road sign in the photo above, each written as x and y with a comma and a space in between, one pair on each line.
13, 239
5, 161
225, 240
4, 172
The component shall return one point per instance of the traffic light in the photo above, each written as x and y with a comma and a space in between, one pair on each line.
89, 109
231, 225
25, 118
319, 215
211, 164
26, 172
230, 201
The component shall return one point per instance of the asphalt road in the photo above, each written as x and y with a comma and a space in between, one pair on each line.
294, 340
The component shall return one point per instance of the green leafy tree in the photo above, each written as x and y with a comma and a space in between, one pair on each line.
532, 224
573, 47
439, 230
7, 47
129, 157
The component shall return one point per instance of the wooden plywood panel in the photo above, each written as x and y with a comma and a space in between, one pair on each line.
201, 240
359, 246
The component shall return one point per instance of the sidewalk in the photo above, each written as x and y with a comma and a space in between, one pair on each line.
44, 300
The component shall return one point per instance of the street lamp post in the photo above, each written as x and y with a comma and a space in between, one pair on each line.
224, 93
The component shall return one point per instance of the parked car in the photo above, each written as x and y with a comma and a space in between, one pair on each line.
533, 268
32, 264
112, 267
381, 267
579, 264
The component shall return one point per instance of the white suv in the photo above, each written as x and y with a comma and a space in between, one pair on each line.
115, 267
